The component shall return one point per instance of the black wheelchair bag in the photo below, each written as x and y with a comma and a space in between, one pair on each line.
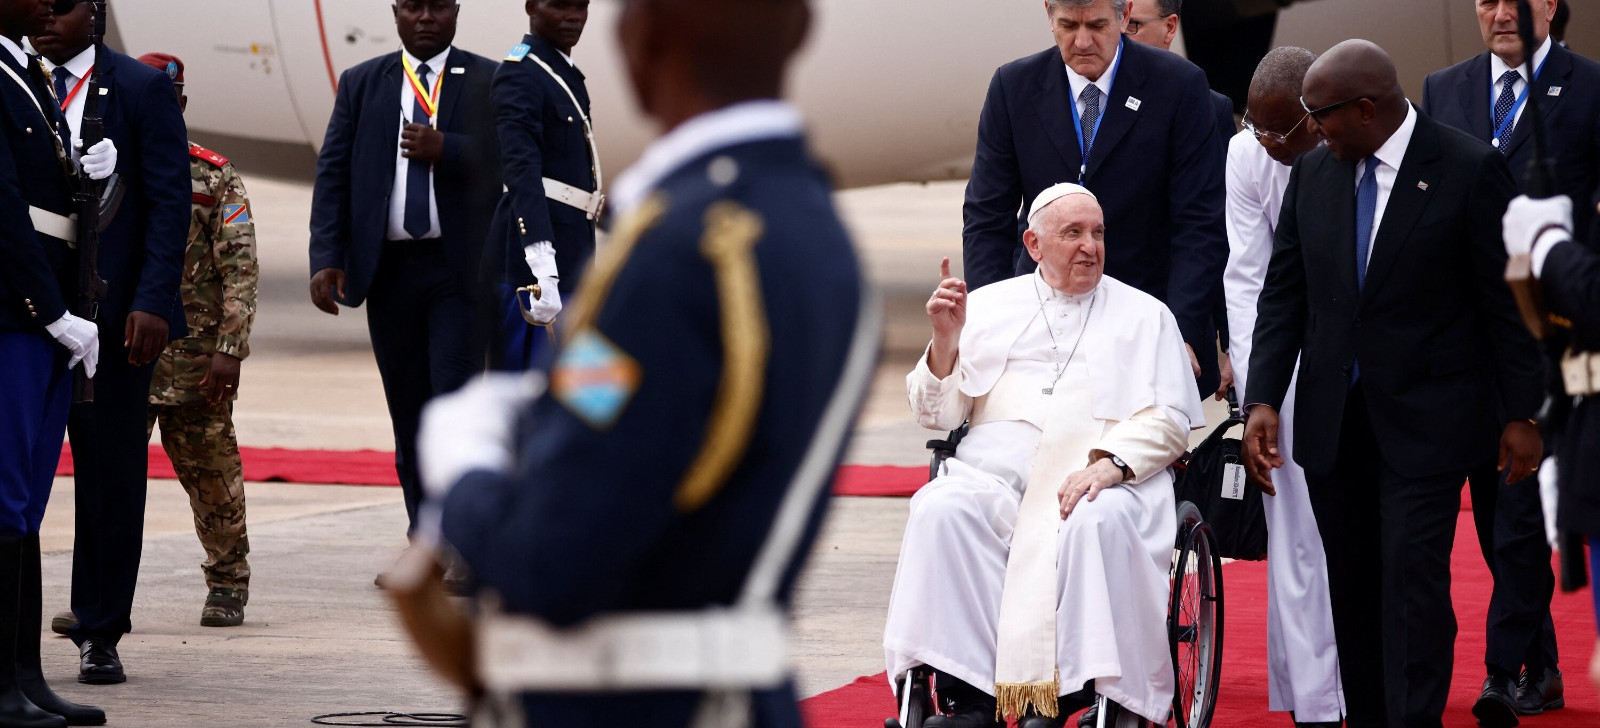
1201, 477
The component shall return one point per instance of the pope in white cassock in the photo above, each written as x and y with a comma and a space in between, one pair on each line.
1035, 567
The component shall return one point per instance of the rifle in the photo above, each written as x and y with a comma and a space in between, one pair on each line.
87, 198
1538, 182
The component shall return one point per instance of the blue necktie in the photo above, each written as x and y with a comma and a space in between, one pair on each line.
417, 222
1091, 115
1366, 210
63, 129
1502, 106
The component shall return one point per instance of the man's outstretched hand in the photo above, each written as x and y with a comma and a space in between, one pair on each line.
1261, 454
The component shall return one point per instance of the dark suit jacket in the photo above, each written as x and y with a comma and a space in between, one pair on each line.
355, 171
1459, 96
1157, 170
1434, 329
141, 250
541, 135
36, 271
1571, 283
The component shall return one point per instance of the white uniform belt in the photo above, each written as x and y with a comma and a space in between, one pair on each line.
590, 202
712, 649
1580, 373
54, 225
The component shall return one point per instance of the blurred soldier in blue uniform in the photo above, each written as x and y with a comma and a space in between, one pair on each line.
40, 342
544, 229
636, 529
1569, 276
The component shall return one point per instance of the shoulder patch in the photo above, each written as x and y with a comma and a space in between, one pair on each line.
201, 153
594, 378
518, 52
235, 214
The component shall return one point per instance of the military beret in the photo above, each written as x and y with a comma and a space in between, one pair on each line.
165, 63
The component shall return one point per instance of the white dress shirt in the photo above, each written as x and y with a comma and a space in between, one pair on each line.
1498, 68
1077, 82
402, 165
79, 67
1389, 157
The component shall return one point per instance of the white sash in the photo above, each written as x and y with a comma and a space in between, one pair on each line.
588, 129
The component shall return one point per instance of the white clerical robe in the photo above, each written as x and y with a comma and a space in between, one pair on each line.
1130, 379
1302, 661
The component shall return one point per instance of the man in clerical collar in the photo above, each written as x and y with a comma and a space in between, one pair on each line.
1080, 395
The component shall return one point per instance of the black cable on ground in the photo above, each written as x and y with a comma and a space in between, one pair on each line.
385, 718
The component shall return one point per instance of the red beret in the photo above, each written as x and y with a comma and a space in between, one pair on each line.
168, 64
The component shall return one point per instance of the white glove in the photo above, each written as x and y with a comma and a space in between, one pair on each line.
100, 161
472, 428
1547, 499
541, 259
81, 337
1525, 217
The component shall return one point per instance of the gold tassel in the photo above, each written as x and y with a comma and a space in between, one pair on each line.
1012, 699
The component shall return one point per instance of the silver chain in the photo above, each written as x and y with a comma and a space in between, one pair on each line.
1062, 365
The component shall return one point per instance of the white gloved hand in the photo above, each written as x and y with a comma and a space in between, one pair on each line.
81, 337
541, 259
1525, 217
100, 161
472, 428
1547, 499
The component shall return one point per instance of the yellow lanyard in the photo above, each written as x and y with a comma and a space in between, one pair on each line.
430, 102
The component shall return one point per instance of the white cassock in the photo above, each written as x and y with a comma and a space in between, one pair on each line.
1130, 383
1302, 661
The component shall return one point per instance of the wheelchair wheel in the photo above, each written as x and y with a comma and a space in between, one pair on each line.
1194, 621
916, 699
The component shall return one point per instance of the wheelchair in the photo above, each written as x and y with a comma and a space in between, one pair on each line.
1194, 629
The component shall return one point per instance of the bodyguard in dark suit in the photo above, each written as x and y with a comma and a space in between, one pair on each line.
141, 256
722, 342
405, 186
1386, 283
546, 218
40, 343
1157, 173
1488, 97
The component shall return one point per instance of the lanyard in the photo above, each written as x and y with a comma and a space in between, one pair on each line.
67, 101
430, 102
1077, 121
1511, 116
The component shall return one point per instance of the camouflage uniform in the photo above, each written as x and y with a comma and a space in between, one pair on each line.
219, 299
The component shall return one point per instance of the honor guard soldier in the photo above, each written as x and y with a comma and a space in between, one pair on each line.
635, 530
40, 343
544, 229
197, 377
1569, 276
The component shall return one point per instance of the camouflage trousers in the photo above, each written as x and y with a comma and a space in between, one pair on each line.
199, 440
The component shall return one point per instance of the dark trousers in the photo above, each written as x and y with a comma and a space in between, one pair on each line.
1510, 526
426, 340
1388, 540
34, 392
111, 462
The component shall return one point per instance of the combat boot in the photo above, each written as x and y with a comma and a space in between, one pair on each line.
224, 607
29, 675
16, 710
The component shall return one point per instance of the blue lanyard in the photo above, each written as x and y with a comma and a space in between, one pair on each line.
1512, 115
1077, 121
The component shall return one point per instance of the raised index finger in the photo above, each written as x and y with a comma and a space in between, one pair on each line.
944, 268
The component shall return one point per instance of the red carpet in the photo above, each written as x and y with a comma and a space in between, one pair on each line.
1242, 701
376, 467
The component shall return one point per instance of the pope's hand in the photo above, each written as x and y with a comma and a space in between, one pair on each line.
1087, 483
1526, 217
541, 259
471, 429
100, 161
1261, 453
947, 310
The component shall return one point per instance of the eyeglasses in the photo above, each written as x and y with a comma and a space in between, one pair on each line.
1134, 25
62, 7
1322, 113
1272, 135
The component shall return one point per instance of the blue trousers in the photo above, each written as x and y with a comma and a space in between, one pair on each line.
35, 392
1594, 575
525, 347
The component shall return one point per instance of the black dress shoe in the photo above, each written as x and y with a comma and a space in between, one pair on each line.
1538, 693
1496, 707
41, 695
98, 663
1039, 721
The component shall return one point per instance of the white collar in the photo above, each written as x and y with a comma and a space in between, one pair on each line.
737, 124
16, 51
79, 65
1394, 149
1498, 67
1040, 286
566, 58
436, 63
1077, 82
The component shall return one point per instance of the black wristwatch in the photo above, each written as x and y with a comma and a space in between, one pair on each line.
1127, 472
